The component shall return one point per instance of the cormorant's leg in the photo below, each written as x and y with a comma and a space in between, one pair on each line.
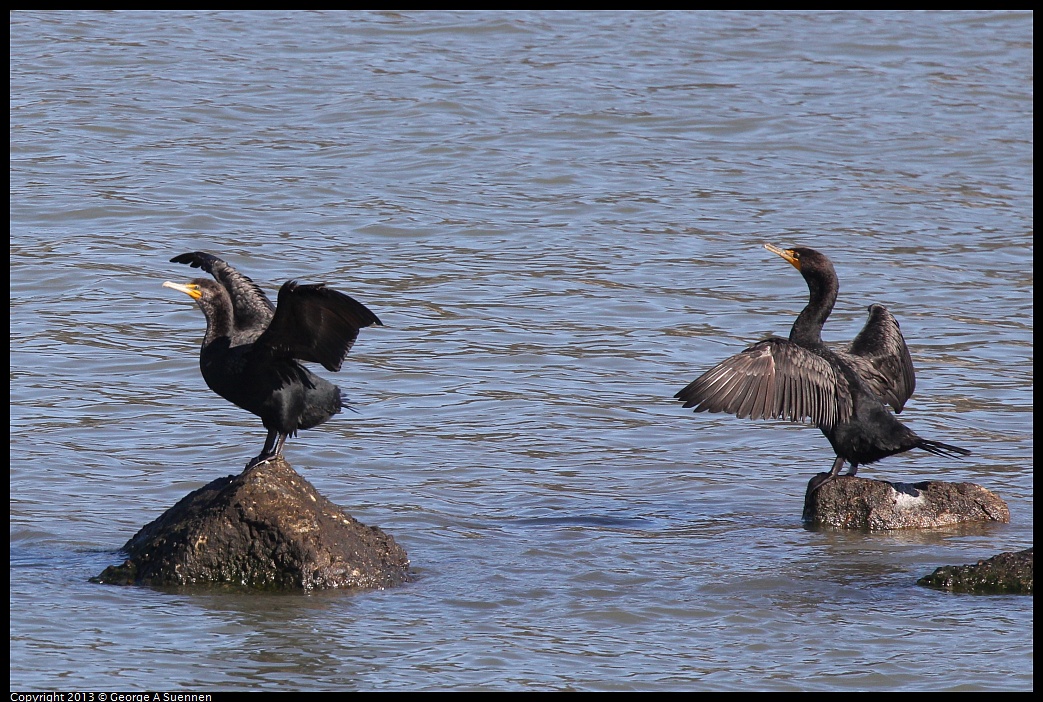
272, 448
823, 478
853, 469
277, 451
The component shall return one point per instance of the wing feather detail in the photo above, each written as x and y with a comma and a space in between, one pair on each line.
879, 354
773, 379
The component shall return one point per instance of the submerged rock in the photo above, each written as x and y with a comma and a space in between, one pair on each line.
1007, 573
265, 528
852, 502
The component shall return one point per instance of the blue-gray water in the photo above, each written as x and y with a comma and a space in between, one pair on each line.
559, 218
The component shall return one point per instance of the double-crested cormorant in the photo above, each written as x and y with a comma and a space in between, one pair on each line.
251, 348
800, 378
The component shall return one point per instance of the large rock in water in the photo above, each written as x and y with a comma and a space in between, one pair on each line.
852, 502
265, 528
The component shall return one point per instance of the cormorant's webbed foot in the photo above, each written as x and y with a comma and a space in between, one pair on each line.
823, 478
272, 449
818, 481
259, 459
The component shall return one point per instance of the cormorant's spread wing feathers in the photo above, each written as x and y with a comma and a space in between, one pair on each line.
881, 357
773, 379
314, 323
251, 308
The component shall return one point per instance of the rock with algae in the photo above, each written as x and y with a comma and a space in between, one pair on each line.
266, 528
1007, 573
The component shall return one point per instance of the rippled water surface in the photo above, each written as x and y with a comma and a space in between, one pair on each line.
559, 218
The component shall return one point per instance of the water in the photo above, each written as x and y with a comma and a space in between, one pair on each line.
558, 216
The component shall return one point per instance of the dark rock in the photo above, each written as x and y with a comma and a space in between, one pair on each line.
266, 528
1007, 573
852, 502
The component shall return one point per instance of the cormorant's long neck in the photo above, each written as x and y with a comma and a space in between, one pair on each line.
219, 318
807, 330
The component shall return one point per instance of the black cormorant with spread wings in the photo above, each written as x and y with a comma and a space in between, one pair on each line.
251, 348
843, 392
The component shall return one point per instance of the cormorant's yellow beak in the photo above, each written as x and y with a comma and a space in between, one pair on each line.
789, 254
191, 290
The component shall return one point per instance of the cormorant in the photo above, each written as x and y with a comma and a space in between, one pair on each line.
251, 347
843, 392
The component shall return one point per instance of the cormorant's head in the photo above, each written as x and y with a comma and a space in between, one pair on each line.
803, 259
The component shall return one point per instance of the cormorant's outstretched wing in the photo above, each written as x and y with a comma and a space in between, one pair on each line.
773, 379
251, 308
880, 356
315, 323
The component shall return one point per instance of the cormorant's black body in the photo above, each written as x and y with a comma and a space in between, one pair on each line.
251, 348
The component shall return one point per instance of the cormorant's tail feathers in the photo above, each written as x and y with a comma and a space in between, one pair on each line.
940, 449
